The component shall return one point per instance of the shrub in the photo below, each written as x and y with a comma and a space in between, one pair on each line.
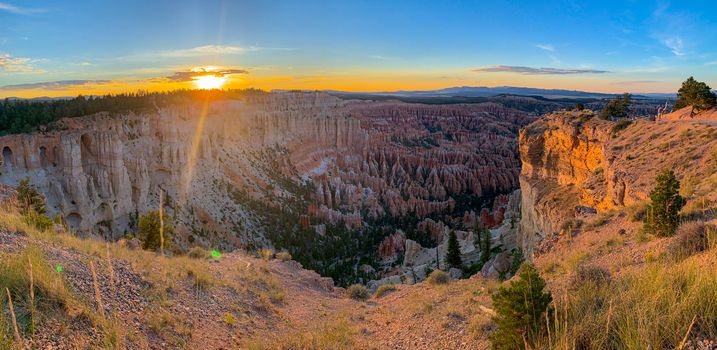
229, 319
620, 126
40, 221
283, 256
197, 253
149, 230
691, 238
617, 107
636, 211
358, 292
266, 254
384, 289
519, 310
438, 277
31, 204
662, 215
29, 198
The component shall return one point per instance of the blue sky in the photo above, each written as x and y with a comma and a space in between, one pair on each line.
68, 47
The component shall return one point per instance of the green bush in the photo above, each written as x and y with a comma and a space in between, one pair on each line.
617, 108
358, 292
40, 221
519, 311
438, 277
29, 198
663, 214
149, 230
31, 204
696, 94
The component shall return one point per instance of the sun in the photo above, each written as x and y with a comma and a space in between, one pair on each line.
208, 82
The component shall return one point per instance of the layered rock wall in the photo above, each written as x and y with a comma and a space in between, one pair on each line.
98, 170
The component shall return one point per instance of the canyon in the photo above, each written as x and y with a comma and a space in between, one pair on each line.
405, 172
384, 181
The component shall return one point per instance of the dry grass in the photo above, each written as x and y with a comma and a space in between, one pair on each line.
336, 335
384, 289
51, 298
283, 256
649, 308
690, 238
438, 277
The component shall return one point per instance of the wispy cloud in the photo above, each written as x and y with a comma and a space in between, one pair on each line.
546, 47
713, 63
216, 50
19, 10
633, 82
15, 64
55, 85
676, 30
191, 74
675, 45
537, 71
207, 50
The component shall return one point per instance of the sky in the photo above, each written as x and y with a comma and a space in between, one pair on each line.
71, 47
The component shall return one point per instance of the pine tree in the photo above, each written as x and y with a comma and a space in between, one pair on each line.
484, 243
663, 214
29, 198
148, 228
617, 108
519, 310
453, 255
696, 94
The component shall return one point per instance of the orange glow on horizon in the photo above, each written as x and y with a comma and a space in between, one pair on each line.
352, 81
208, 82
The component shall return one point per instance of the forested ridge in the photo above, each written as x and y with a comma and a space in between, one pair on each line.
19, 116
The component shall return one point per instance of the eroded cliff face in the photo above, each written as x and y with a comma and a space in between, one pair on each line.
567, 169
576, 166
99, 170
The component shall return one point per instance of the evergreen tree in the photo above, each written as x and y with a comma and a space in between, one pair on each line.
484, 244
696, 94
663, 214
29, 198
453, 255
519, 310
149, 230
579, 106
619, 107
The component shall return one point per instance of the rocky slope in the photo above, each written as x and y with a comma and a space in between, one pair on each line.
236, 301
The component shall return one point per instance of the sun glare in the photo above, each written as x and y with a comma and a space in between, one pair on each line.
209, 82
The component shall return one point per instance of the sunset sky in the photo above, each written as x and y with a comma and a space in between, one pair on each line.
65, 48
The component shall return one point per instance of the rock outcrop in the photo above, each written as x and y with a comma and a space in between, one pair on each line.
575, 165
